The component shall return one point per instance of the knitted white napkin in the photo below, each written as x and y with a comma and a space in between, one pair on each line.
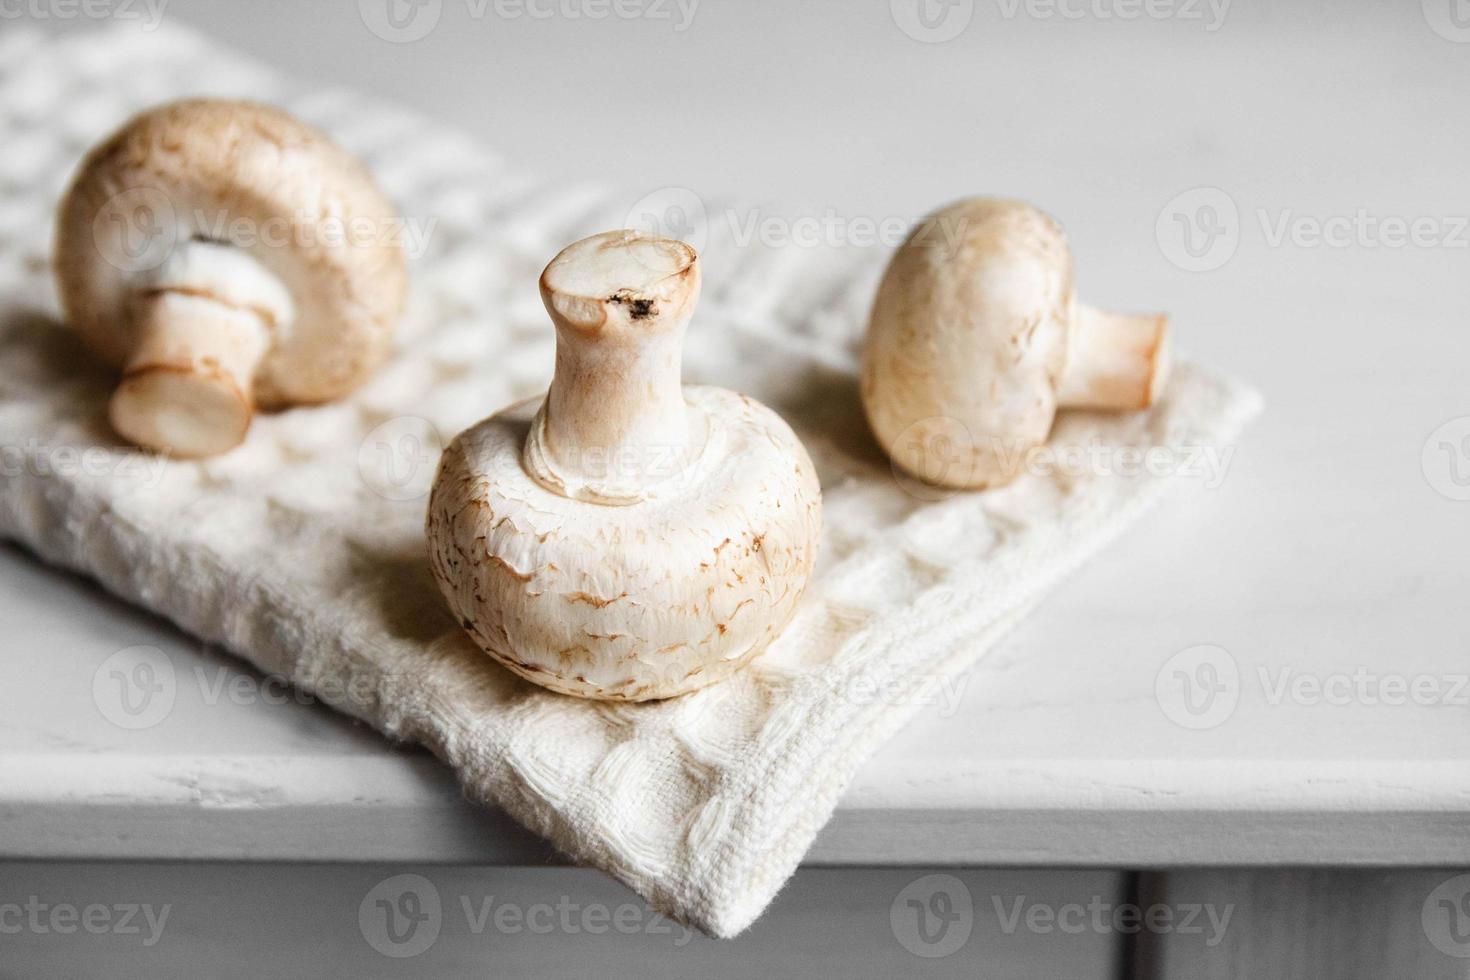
303, 550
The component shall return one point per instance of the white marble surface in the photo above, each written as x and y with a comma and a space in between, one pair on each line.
1329, 550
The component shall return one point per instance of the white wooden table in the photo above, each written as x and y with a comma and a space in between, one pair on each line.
1270, 672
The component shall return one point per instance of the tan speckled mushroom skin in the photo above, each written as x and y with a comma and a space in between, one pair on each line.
253, 164
976, 339
634, 602
627, 537
970, 324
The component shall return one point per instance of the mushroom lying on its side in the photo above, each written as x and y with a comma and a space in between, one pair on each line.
624, 538
226, 255
976, 339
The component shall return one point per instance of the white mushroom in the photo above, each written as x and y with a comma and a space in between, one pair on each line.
226, 255
624, 538
976, 340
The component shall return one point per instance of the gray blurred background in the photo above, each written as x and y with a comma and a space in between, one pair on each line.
1100, 111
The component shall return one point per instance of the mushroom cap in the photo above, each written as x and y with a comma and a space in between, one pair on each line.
967, 342
648, 600
255, 177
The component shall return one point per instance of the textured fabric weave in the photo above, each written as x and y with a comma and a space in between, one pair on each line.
303, 550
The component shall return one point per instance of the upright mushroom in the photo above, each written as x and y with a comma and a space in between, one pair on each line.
624, 538
976, 340
226, 255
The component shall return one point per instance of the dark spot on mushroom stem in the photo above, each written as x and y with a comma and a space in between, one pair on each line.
639, 307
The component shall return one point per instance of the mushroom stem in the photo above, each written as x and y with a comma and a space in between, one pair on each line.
615, 423
1115, 360
615, 393
201, 325
186, 388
